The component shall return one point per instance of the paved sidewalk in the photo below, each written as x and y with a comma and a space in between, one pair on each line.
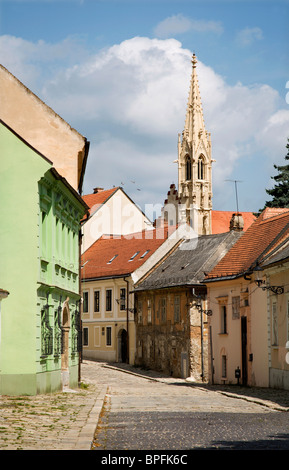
58, 421
68, 420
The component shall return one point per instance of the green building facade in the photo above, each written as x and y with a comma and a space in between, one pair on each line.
40, 213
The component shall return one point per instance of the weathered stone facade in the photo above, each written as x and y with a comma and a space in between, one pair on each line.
169, 332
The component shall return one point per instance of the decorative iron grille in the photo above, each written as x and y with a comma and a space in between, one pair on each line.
46, 332
58, 337
76, 338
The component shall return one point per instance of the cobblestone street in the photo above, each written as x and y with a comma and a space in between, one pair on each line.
137, 409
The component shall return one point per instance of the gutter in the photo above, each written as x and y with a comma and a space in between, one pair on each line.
117, 276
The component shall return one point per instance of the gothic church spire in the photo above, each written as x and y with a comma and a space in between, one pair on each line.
195, 163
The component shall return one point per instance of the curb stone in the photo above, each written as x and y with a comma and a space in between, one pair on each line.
85, 438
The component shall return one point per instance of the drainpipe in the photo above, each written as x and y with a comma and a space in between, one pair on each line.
202, 341
127, 336
79, 288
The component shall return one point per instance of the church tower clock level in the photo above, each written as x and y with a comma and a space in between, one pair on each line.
195, 164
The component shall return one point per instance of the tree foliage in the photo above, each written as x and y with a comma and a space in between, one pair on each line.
280, 192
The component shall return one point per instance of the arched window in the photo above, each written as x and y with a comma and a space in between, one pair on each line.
201, 169
188, 168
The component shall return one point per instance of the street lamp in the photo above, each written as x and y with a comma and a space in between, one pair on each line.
262, 284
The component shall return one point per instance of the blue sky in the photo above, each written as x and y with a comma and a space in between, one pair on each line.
119, 72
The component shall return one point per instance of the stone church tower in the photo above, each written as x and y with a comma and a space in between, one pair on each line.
194, 196
195, 164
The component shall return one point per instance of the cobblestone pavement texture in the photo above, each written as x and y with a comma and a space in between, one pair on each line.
76, 419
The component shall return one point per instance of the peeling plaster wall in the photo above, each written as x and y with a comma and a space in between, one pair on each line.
170, 347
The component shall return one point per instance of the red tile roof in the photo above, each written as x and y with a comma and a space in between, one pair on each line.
95, 200
95, 260
221, 221
259, 238
273, 211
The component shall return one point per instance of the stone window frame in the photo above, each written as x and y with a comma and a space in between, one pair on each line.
223, 314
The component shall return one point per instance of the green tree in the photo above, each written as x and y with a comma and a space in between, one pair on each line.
280, 192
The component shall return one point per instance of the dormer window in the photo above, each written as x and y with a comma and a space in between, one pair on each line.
133, 256
111, 260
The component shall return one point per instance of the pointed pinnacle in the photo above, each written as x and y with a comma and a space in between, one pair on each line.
194, 60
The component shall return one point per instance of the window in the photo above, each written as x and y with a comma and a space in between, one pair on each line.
188, 168
85, 302
122, 299
177, 309
145, 253
108, 300
85, 336
111, 260
200, 168
274, 325
96, 301
46, 333
139, 311
223, 319
133, 256
163, 310
44, 232
149, 311
108, 335
224, 367
235, 307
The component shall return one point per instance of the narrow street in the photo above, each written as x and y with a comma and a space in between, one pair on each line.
161, 413
122, 410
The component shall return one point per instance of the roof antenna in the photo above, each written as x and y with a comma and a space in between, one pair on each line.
236, 181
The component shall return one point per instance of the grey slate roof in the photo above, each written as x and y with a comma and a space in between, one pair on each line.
278, 255
188, 263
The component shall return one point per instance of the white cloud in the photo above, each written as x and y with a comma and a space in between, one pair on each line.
35, 62
130, 101
247, 36
178, 24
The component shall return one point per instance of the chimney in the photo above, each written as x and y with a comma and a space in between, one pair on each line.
97, 190
237, 222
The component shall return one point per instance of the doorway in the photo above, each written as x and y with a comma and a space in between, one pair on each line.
123, 346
